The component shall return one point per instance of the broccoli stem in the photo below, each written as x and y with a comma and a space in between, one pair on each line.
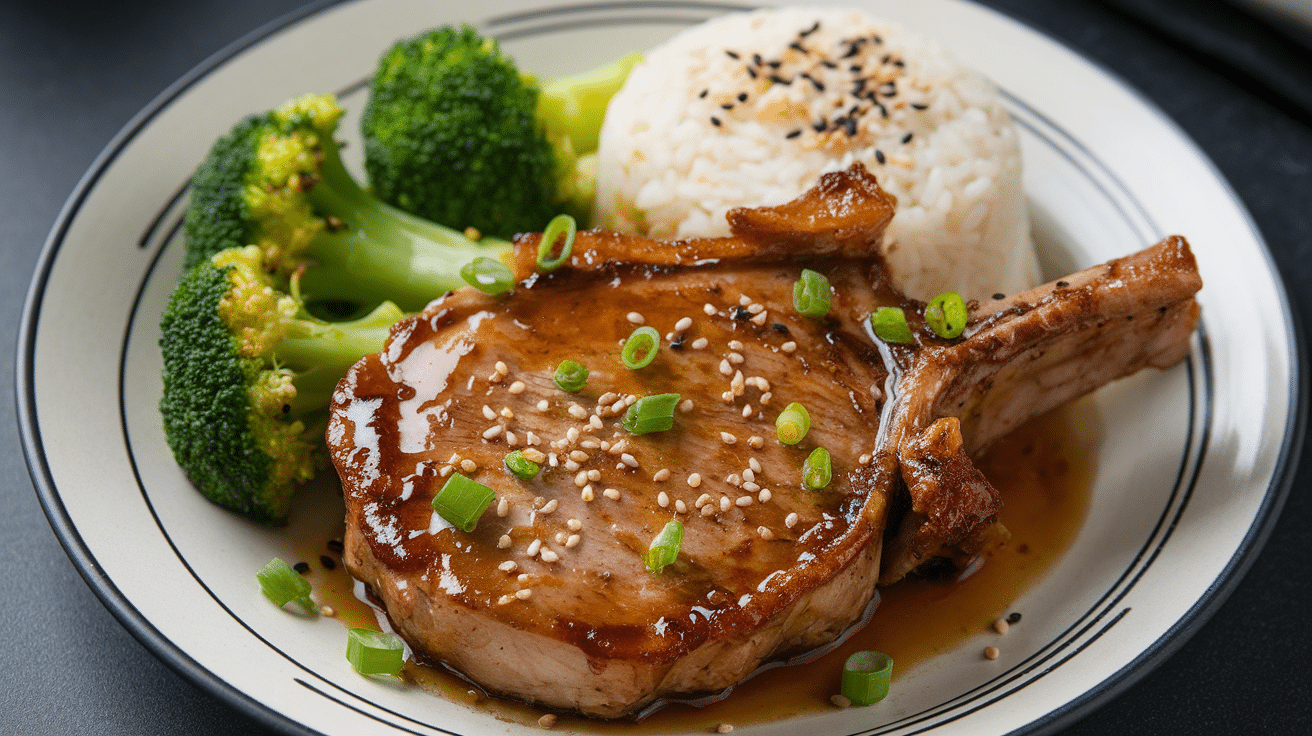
573, 107
382, 253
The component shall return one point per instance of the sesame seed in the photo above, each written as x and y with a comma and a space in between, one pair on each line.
579, 456
594, 475
1001, 626
733, 479
751, 487
709, 309
534, 455
727, 396
727, 438
517, 387
533, 547
702, 500
578, 412
747, 411
864, 459
445, 471
715, 121
572, 541
488, 413
511, 438
581, 479
708, 509
550, 506
724, 728
547, 720
788, 347
595, 422
754, 464
572, 434
725, 368
725, 503
504, 542
468, 466
744, 300
663, 500
507, 413
501, 368
790, 521
991, 653
756, 442
700, 343
629, 460
549, 556
503, 600
508, 566
560, 537
680, 506
635, 318
617, 407
756, 308
765, 533
695, 480
685, 405
552, 460
522, 577
764, 496
761, 319
532, 439
586, 494
543, 405
749, 475
590, 444
744, 501
765, 398
524, 593
683, 324
661, 475
735, 358
840, 701
495, 378
571, 466
574, 525
611, 493
503, 507
762, 383
738, 384
618, 447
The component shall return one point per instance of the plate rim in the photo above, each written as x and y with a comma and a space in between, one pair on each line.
108, 592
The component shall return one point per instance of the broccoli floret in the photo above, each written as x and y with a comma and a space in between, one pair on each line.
276, 180
455, 133
247, 380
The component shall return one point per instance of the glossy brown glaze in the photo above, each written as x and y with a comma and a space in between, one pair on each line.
549, 599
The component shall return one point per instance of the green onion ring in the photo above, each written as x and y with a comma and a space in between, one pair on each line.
650, 414
488, 275
811, 294
641, 348
866, 676
817, 471
792, 424
664, 548
520, 466
374, 652
282, 584
890, 325
571, 376
462, 501
559, 225
946, 315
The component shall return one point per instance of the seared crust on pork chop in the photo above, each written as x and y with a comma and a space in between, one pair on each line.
549, 599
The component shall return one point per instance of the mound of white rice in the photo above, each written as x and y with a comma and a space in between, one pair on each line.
750, 108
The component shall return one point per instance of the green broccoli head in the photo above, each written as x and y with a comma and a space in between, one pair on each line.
451, 134
247, 379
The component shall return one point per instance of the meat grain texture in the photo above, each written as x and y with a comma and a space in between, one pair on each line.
549, 599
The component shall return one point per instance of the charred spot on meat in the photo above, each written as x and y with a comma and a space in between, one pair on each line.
549, 600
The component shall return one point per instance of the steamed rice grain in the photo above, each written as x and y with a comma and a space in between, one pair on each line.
750, 108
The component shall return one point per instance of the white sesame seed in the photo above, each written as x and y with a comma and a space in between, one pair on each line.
503, 542
572, 434
737, 385
595, 422
635, 318
455, 458
503, 507
508, 566
533, 547
572, 541
765, 398
522, 577
762, 384
751, 487
629, 460
663, 500
445, 471
493, 431
524, 593
488, 413
709, 309
661, 475
611, 493
571, 466
549, 555
788, 347
756, 308
552, 460
725, 368
590, 444
761, 318
594, 475
534, 455
790, 521
495, 378
685, 405
727, 438
1001, 626
840, 701
991, 652
765, 533
864, 459
700, 343
618, 447
744, 300
468, 466
560, 537
501, 368
579, 456
683, 324
756, 442
702, 500
753, 463
708, 509
749, 474
764, 496
578, 412
733, 479
744, 501
747, 410
727, 396
550, 506
543, 405
507, 412
517, 387
617, 406
736, 358
725, 503
574, 525
586, 494
680, 506
503, 600
695, 480
581, 479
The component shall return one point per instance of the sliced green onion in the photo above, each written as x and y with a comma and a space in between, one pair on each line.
374, 652
890, 325
792, 424
817, 471
641, 347
521, 466
282, 585
866, 676
488, 275
946, 315
811, 294
664, 548
462, 501
650, 414
571, 376
560, 225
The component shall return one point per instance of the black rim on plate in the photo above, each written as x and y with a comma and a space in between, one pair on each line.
1101, 617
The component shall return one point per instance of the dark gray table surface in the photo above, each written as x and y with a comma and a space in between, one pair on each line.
72, 74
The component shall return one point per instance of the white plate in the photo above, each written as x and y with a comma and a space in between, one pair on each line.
1192, 473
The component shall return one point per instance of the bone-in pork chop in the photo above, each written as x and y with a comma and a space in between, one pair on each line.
549, 598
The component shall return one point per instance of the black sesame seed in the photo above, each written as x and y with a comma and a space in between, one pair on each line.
819, 86
677, 343
859, 86
774, 64
883, 111
780, 327
740, 313
879, 156
715, 121
810, 30
906, 138
798, 47
1063, 284
756, 59
793, 133
779, 80
727, 106
335, 545
899, 63
327, 562
751, 72
855, 69
828, 64
919, 106
821, 126
877, 39
1014, 618
850, 123
885, 59
301, 567
732, 54
742, 96
703, 93
999, 295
